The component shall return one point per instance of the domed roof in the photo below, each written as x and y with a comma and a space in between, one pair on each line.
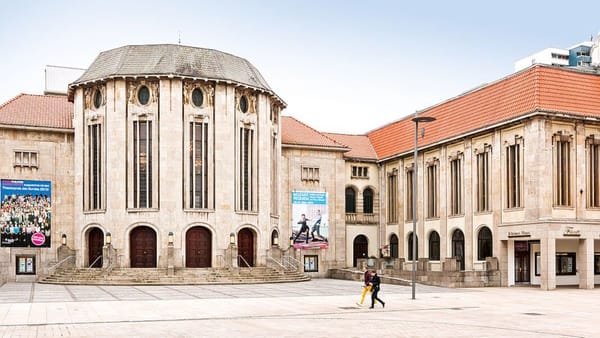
175, 61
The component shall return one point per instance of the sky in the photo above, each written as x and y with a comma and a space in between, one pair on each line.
341, 66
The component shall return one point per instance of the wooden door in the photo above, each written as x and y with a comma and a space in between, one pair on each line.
198, 248
246, 247
361, 248
95, 244
142, 247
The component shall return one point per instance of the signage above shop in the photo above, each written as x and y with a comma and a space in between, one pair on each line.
570, 231
513, 234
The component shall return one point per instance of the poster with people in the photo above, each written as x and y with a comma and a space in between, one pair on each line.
25, 213
310, 223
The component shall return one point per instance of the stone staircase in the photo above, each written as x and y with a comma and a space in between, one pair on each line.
180, 276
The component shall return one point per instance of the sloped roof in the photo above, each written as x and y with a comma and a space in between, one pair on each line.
42, 111
294, 132
538, 88
360, 145
173, 60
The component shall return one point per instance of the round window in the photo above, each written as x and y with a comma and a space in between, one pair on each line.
197, 97
97, 98
144, 95
244, 104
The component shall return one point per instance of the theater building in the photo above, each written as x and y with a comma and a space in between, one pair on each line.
167, 156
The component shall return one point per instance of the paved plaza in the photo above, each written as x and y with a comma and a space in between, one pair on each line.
318, 308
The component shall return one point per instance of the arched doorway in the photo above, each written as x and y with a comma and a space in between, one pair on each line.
95, 244
361, 248
458, 248
246, 248
142, 247
394, 246
198, 248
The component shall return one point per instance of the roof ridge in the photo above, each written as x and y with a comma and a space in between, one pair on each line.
316, 131
11, 100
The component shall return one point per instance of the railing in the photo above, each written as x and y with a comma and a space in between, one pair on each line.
291, 262
55, 266
273, 260
244, 260
94, 262
361, 218
222, 260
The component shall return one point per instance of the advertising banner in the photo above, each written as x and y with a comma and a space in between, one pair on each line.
310, 224
25, 213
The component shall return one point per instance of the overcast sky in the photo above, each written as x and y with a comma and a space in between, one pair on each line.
341, 66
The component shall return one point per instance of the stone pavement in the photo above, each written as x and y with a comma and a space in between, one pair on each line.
318, 308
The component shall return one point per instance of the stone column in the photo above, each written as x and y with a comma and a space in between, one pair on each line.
503, 262
548, 258
170, 259
585, 263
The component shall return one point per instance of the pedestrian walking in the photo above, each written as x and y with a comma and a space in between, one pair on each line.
375, 282
366, 286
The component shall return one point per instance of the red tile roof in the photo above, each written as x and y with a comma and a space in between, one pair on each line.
294, 132
538, 88
45, 111
360, 146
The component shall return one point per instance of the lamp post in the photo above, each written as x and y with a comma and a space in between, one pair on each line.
416, 120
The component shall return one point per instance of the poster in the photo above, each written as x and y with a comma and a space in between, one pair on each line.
310, 222
25, 213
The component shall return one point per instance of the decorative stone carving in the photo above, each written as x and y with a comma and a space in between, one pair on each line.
250, 96
90, 92
134, 87
208, 91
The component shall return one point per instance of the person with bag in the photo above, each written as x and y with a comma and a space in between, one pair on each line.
375, 282
366, 286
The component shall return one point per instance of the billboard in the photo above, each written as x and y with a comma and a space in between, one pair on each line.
25, 213
310, 223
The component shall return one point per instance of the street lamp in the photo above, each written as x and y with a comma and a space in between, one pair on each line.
416, 120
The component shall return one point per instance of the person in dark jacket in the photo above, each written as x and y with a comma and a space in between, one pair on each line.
375, 282
303, 227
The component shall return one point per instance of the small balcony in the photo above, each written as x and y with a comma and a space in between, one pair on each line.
361, 218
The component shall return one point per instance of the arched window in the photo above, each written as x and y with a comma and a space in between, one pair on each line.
410, 247
350, 200
394, 246
434, 246
368, 201
274, 238
458, 248
484, 243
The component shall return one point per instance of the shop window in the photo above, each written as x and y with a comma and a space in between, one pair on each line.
538, 264
597, 264
25, 265
565, 263
311, 263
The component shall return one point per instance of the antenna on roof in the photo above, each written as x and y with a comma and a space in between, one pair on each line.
179, 37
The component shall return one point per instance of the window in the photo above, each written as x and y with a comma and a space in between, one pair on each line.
350, 200
198, 185
483, 179
274, 176
310, 174
360, 172
562, 170
597, 264
368, 201
97, 98
142, 164
392, 189
409, 193
26, 159
565, 263
311, 263
25, 265
93, 163
432, 189
244, 104
538, 264
593, 172
410, 247
456, 185
434, 246
514, 171
394, 246
484, 244
197, 97
247, 173
143, 95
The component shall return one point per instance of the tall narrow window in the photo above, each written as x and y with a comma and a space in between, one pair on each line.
142, 164
94, 167
368, 201
593, 172
274, 176
432, 189
434, 246
483, 179
562, 170
350, 200
456, 185
246, 169
513, 174
409, 193
484, 244
392, 190
199, 164
410, 247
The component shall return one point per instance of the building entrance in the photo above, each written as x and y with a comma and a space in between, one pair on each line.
198, 248
361, 248
95, 244
142, 247
246, 248
522, 260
